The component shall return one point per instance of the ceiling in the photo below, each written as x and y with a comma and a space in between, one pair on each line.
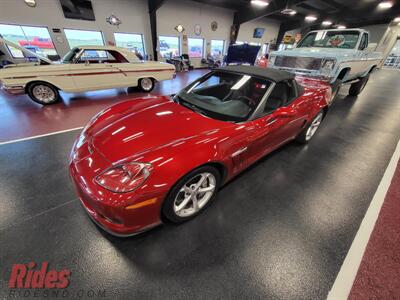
351, 13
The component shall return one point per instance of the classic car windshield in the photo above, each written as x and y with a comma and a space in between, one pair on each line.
331, 39
224, 95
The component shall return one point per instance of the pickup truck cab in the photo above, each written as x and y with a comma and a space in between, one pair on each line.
337, 56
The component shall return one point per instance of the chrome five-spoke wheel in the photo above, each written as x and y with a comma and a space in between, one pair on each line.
194, 194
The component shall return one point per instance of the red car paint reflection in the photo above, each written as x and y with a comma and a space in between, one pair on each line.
173, 140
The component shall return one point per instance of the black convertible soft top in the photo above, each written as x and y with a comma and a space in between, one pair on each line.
267, 73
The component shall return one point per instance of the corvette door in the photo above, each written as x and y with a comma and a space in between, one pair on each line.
94, 70
283, 120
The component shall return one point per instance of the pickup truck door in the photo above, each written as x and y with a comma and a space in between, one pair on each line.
360, 62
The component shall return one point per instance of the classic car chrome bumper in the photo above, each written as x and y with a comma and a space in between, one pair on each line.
13, 89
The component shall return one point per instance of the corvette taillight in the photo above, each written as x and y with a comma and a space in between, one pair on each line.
124, 178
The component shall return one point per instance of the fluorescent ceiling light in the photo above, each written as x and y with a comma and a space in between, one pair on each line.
341, 27
259, 3
385, 4
311, 18
289, 11
396, 19
326, 23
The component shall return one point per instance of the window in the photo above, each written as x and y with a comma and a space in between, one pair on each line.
35, 39
364, 42
77, 37
217, 47
196, 47
133, 42
94, 56
169, 46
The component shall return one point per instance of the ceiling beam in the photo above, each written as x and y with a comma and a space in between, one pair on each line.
252, 12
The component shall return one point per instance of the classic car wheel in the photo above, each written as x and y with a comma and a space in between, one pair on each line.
307, 134
146, 84
191, 194
357, 88
43, 93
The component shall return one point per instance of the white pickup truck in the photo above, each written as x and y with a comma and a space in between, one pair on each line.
338, 56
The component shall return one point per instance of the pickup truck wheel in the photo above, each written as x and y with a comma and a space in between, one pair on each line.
336, 88
43, 93
357, 87
146, 84
309, 131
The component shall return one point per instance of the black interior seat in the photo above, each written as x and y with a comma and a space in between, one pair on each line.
277, 98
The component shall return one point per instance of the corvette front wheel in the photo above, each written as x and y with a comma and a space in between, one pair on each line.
191, 194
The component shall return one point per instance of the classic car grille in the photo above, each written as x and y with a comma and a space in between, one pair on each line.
307, 63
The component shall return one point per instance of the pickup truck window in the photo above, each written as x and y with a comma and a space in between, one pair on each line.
346, 39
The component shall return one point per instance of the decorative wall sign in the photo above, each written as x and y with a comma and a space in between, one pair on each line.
179, 28
31, 3
113, 20
197, 29
214, 26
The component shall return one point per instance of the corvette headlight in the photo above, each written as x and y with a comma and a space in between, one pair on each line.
125, 177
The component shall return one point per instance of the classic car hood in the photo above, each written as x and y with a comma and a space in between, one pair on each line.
146, 124
317, 52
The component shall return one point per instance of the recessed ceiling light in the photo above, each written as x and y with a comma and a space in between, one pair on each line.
259, 3
326, 23
341, 27
385, 4
289, 11
396, 19
311, 18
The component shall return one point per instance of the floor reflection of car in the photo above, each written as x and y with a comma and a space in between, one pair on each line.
164, 158
84, 68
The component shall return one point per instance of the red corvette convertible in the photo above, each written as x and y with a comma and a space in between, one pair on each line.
163, 158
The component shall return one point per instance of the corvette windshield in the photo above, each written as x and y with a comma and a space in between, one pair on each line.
225, 96
331, 39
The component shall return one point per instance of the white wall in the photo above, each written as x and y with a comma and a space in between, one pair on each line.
188, 13
133, 13
271, 31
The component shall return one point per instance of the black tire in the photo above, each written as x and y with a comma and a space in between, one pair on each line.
46, 88
303, 137
336, 88
146, 84
168, 211
357, 87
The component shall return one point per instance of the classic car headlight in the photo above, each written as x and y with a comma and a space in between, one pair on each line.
125, 177
328, 64
272, 59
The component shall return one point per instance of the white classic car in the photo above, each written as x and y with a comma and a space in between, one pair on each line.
84, 68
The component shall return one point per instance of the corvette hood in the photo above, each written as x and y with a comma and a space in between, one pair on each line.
146, 124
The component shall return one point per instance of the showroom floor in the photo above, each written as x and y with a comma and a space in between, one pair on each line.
280, 230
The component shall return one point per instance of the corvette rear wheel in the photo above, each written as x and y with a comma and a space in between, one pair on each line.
43, 93
191, 194
146, 84
307, 134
